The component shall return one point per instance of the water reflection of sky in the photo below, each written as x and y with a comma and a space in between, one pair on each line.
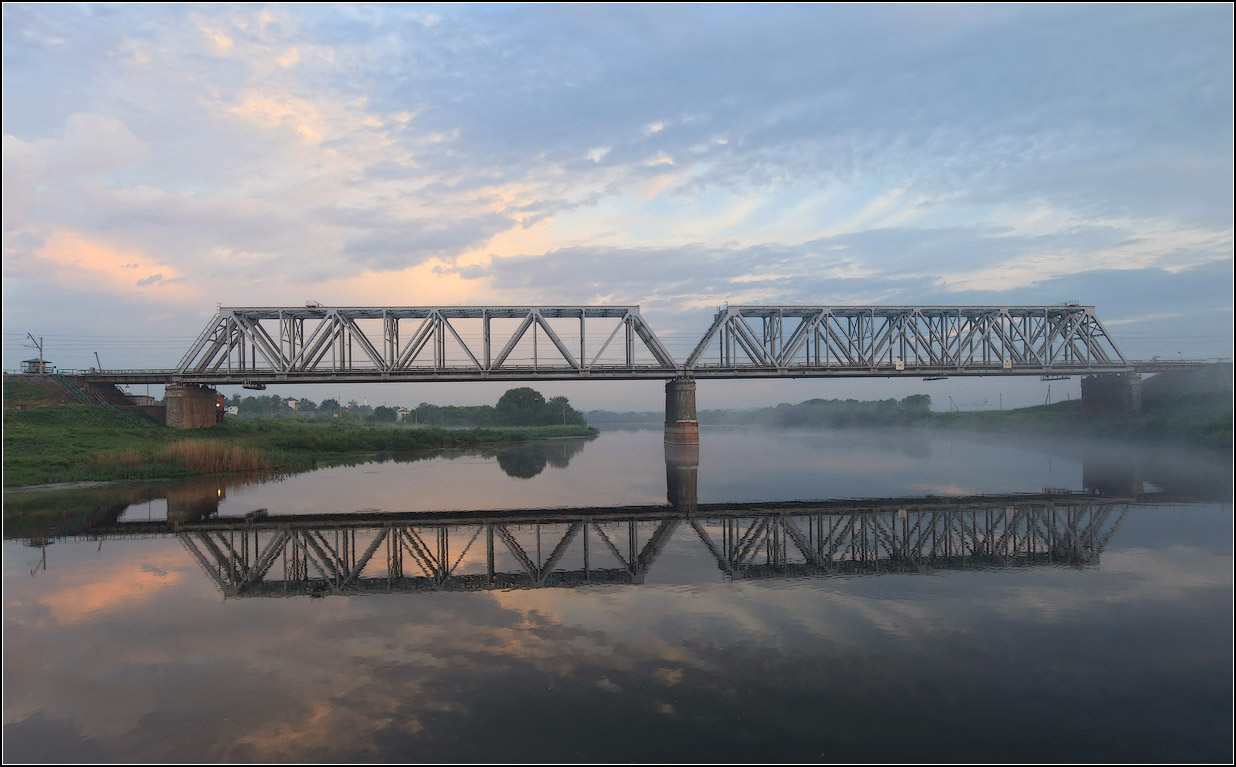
124, 650
149, 663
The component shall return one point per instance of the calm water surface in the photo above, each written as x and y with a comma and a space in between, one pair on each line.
779, 596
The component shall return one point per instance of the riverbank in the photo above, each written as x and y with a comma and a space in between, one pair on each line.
1205, 420
74, 443
1189, 408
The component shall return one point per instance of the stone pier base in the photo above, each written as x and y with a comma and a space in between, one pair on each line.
191, 407
681, 426
1111, 394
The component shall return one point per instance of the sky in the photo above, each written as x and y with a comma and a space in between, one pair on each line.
162, 160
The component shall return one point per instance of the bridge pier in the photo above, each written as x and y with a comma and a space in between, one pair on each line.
1111, 394
681, 426
190, 406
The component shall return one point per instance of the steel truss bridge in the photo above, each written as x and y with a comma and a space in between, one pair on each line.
366, 553
315, 344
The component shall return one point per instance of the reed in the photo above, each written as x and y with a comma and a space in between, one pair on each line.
209, 456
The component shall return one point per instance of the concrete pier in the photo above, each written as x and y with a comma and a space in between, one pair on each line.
191, 407
1111, 394
681, 426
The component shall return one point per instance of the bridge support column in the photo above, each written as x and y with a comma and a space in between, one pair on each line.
1111, 394
681, 427
190, 406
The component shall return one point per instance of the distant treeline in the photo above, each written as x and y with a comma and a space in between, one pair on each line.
829, 412
518, 407
607, 416
814, 412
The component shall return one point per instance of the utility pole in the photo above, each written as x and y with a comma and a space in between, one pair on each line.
39, 345
99, 361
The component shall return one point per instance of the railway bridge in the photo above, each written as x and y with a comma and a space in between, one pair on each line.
260, 346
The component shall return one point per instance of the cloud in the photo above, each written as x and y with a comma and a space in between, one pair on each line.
899, 265
680, 156
67, 258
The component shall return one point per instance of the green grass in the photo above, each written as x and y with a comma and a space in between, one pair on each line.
72, 443
21, 391
1204, 419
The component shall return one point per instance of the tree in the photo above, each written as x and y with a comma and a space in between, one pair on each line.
917, 406
559, 411
520, 407
329, 407
307, 406
384, 414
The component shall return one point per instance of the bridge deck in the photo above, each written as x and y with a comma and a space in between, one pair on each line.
425, 375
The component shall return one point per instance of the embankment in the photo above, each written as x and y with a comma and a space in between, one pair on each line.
72, 443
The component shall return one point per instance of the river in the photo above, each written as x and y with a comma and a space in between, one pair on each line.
775, 596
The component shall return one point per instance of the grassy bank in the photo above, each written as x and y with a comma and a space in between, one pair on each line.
1204, 419
71, 443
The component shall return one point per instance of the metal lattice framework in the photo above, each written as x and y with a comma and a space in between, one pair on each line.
366, 344
364, 554
417, 342
918, 338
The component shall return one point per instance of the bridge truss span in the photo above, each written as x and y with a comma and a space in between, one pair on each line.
905, 338
411, 343
463, 343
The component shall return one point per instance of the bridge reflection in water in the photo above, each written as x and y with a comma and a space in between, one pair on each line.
374, 552
262, 554
284, 557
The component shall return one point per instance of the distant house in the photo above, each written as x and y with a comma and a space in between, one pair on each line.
141, 399
37, 365
292, 403
231, 410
